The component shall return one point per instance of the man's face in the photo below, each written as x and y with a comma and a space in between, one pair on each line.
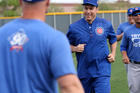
137, 17
90, 12
131, 19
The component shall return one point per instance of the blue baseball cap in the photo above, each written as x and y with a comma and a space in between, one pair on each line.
31, 1
136, 9
91, 2
130, 11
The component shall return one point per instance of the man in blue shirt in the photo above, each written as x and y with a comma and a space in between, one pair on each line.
34, 56
125, 25
88, 38
130, 48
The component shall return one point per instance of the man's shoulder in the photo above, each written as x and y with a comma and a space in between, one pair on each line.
124, 24
10, 23
103, 21
129, 29
34, 26
79, 22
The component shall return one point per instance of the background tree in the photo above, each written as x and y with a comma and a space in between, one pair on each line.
79, 8
10, 7
102, 6
55, 8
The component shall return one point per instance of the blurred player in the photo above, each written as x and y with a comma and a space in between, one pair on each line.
88, 38
122, 27
33, 56
130, 48
125, 25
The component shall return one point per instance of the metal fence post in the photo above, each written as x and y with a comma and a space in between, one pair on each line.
54, 21
70, 15
112, 19
103, 15
120, 19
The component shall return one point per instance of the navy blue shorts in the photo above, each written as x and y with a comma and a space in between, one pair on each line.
96, 85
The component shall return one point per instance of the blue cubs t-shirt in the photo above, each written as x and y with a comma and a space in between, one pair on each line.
122, 27
131, 43
92, 62
32, 56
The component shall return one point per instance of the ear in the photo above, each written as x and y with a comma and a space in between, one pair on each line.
97, 9
20, 2
47, 2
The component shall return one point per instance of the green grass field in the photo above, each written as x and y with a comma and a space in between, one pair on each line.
118, 75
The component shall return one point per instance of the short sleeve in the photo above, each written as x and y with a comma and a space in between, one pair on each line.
111, 35
61, 62
124, 42
119, 30
71, 36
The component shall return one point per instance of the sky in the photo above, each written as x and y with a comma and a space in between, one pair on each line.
80, 1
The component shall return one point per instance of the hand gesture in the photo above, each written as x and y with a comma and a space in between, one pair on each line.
80, 47
111, 58
125, 60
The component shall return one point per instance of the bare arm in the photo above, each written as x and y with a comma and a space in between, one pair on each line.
125, 58
119, 37
78, 48
70, 84
111, 56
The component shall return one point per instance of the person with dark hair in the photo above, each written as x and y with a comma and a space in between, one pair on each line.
130, 48
125, 25
34, 56
88, 38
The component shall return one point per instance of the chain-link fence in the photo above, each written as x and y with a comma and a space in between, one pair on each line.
61, 21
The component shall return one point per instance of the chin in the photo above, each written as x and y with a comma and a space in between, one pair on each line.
88, 19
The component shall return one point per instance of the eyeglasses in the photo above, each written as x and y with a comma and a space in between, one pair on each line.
136, 14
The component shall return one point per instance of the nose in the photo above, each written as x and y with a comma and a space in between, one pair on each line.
88, 11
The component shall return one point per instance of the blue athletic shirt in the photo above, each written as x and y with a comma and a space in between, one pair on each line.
122, 27
32, 56
92, 62
131, 43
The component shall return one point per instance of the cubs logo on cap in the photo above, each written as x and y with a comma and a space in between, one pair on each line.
136, 9
32, 0
91, 2
130, 11
99, 30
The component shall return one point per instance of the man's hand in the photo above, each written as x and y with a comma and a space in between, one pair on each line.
111, 58
80, 47
125, 60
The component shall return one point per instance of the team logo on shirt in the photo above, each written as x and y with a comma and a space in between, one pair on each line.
136, 40
99, 30
17, 40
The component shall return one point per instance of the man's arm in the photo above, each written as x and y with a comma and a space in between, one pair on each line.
70, 84
123, 48
119, 37
78, 48
125, 58
111, 56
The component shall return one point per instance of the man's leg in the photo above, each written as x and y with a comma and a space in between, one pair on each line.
134, 78
87, 84
102, 85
